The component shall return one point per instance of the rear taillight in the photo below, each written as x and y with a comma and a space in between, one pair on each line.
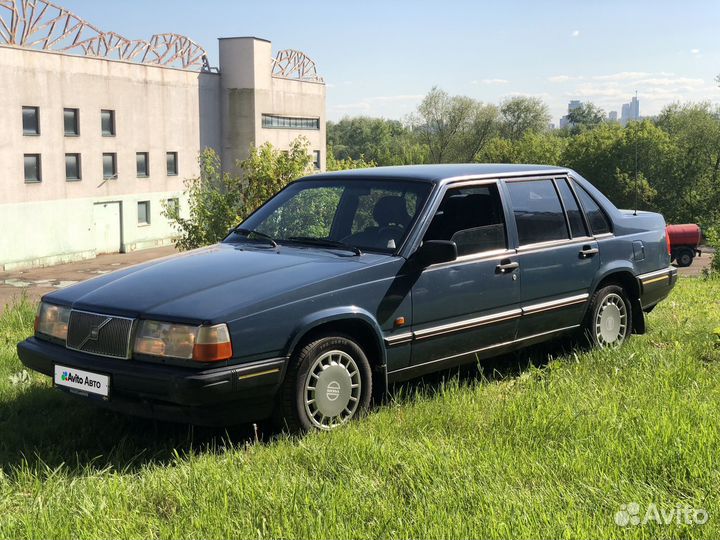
667, 240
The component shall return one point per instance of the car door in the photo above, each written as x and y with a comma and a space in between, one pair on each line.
469, 304
558, 258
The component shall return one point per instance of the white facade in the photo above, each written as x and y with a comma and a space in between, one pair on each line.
157, 110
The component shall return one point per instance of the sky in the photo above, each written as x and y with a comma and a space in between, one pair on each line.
379, 58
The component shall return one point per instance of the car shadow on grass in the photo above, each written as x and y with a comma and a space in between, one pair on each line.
497, 368
44, 428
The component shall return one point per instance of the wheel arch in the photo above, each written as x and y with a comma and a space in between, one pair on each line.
352, 322
625, 278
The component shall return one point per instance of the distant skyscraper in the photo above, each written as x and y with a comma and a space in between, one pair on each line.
612, 116
630, 111
572, 105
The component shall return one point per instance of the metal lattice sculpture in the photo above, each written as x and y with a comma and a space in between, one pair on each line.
42, 25
292, 64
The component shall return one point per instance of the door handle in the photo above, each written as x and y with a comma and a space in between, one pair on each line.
506, 266
588, 251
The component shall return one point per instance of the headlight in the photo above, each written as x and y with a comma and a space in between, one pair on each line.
52, 321
200, 343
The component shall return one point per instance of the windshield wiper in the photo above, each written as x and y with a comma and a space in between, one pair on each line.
248, 232
325, 242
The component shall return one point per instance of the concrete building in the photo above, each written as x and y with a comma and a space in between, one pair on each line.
99, 132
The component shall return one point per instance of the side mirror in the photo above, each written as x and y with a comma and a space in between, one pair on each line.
435, 252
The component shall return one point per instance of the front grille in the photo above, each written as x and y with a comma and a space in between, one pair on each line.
102, 335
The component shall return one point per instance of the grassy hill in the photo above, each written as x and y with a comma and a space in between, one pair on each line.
552, 448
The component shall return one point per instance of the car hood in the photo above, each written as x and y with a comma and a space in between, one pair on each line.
216, 283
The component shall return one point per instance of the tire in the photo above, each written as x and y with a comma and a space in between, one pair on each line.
327, 384
608, 322
685, 258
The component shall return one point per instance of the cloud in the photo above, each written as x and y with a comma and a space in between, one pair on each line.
564, 78
694, 51
575, 33
622, 76
491, 81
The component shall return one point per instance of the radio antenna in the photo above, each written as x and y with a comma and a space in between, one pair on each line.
637, 186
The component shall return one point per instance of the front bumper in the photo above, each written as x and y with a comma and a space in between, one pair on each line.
218, 396
655, 286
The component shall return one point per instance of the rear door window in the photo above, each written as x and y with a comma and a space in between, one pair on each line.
539, 216
575, 218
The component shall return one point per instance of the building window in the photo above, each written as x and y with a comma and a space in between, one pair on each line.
107, 123
110, 166
72, 167
143, 164
71, 120
172, 207
33, 172
172, 164
31, 120
316, 159
289, 122
144, 213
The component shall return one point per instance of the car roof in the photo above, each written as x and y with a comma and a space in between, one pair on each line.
440, 172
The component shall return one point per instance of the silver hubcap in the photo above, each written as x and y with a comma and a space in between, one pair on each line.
332, 389
611, 321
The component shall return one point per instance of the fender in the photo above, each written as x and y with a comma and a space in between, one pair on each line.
623, 267
612, 267
340, 313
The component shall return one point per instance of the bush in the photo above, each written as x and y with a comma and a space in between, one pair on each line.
220, 200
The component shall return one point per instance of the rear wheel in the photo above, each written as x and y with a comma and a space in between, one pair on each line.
329, 382
685, 257
609, 319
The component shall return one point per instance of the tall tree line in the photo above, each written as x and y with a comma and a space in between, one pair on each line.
678, 153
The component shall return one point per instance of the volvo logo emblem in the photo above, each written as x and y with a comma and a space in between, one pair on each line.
333, 390
94, 332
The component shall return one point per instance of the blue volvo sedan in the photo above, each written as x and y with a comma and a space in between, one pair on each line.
348, 281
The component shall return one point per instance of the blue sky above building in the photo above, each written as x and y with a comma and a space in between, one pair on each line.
379, 58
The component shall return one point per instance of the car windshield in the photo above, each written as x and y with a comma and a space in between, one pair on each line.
367, 215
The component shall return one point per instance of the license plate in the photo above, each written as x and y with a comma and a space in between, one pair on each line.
80, 381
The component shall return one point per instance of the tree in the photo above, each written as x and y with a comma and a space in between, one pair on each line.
695, 176
219, 200
538, 148
606, 157
522, 113
334, 164
453, 128
213, 198
586, 116
267, 170
377, 140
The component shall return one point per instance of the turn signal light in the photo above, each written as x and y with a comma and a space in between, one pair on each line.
212, 344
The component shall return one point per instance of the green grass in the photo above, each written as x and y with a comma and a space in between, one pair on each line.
550, 450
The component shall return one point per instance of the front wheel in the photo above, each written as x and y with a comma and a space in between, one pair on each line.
609, 319
328, 383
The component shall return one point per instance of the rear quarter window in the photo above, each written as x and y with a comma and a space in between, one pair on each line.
599, 223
